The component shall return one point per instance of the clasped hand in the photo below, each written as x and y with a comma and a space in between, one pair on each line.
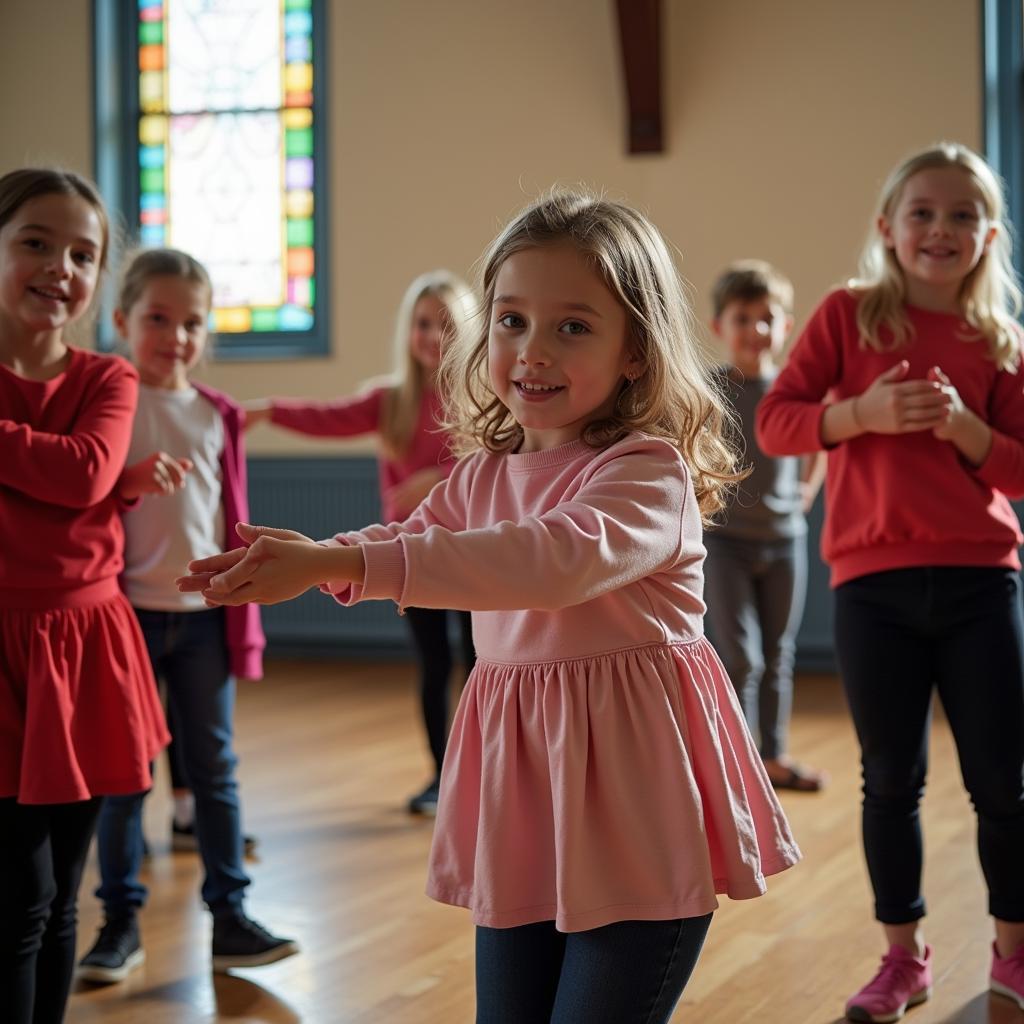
276, 566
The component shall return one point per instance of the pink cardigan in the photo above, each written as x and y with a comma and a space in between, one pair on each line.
245, 637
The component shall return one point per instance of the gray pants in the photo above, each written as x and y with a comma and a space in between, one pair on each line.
755, 594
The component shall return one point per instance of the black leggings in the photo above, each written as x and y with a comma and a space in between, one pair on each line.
900, 635
41, 861
629, 972
429, 629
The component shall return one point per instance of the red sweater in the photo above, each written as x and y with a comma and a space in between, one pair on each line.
63, 443
893, 501
351, 417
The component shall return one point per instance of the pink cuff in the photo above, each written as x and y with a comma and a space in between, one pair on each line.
384, 577
385, 570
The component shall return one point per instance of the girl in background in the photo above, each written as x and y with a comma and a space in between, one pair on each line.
405, 413
601, 785
162, 313
925, 437
79, 715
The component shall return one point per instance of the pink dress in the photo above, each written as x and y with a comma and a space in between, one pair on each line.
599, 768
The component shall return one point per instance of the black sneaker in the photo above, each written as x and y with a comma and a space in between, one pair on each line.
116, 952
183, 840
238, 941
425, 803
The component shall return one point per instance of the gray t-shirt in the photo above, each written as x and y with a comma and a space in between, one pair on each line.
767, 505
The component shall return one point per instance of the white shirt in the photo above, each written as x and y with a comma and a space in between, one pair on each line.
163, 533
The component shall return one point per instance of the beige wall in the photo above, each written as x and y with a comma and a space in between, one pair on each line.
782, 117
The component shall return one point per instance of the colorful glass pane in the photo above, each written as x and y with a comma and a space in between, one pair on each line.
226, 151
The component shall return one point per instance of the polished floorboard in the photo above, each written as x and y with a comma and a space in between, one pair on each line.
329, 753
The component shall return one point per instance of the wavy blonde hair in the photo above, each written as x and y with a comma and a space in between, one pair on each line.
409, 379
676, 396
989, 295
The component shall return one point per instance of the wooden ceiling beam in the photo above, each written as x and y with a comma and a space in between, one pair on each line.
640, 43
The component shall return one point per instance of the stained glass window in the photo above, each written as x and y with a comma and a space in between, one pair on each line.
227, 153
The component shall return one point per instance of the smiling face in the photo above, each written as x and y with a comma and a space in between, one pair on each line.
753, 331
557, 351
166, 329
50, 253
938, 232
431, 324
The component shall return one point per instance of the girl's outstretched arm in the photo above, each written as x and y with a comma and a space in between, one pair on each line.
626, 522
78, 469
277, 565
344, 417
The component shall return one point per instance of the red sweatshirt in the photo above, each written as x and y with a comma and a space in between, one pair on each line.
893, 501
63, 443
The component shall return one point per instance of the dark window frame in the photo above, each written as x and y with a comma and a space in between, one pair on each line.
1003, 99
116, 169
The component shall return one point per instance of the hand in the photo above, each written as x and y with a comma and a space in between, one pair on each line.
892, 405
157, 474
276, 566
407, 495
962, 427
257, 411
808, 492
956, 410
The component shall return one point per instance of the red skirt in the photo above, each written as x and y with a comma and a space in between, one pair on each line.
79, 711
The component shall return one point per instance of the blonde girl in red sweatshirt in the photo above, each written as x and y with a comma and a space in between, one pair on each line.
924, 428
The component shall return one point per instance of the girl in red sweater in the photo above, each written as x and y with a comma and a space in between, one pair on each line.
79, 715
924, 428
405, 413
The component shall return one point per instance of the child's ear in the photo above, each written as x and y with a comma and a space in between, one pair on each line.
635, 368
885, 230
121, 323
716, 326
790, 320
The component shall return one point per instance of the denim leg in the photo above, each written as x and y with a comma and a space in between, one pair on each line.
979, 660
119, 831
201, 692
781, 586
517, 972
629, 972
119, 848
884, 655
731, 618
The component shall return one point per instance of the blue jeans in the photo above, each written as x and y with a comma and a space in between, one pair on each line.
629, 972
189, 654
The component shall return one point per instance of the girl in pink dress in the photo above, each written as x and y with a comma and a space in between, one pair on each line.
600, 786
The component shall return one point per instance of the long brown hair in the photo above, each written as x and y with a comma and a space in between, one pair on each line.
675, 397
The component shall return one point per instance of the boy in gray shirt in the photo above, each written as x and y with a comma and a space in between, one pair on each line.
756, 570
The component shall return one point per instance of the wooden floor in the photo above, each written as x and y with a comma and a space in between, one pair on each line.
330, 751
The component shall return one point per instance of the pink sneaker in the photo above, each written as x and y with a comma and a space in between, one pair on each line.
1008, 975
901, 982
